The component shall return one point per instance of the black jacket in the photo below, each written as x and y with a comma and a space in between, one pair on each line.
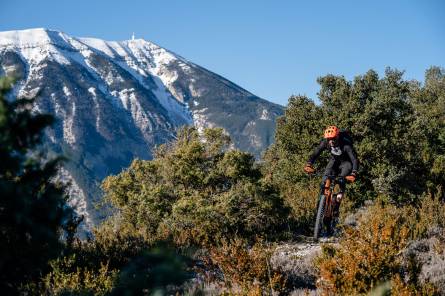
342, 152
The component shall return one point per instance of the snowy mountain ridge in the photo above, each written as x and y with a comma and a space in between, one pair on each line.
116, 100
36, 45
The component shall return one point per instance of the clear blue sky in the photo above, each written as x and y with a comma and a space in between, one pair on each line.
272, 48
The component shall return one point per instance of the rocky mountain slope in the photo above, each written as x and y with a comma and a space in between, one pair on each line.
115, 101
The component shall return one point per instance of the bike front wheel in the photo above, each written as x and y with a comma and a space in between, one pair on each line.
320, 216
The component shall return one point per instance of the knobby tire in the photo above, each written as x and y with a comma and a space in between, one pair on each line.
320, 216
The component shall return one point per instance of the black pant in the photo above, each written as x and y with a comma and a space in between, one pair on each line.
340, 169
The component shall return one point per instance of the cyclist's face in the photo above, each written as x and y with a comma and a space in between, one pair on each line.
332, 142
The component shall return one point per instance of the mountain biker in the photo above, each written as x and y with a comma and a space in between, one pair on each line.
343, 159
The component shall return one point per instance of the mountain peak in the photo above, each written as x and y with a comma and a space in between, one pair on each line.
42, 37
31, 37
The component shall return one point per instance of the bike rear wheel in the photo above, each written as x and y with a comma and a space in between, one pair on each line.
320, 215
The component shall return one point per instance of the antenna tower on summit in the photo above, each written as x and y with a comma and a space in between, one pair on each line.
132, 36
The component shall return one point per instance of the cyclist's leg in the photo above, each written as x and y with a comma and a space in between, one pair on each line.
345, 169
329, 171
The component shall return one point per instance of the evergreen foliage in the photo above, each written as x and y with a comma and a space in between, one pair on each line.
153, 271
94, 268
398, 129
68, 277
33, 209
196, 191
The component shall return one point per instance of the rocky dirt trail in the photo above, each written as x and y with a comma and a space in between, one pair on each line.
296, 260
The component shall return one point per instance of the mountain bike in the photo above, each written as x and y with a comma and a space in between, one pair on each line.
328, 207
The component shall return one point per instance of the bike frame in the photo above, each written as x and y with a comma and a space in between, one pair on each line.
326, 204
328, 191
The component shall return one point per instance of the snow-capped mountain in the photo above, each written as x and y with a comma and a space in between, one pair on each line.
114, 101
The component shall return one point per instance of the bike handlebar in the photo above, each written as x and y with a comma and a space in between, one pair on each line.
336, 177
332, 177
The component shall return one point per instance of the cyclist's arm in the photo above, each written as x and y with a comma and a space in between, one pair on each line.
352, 157
317, 151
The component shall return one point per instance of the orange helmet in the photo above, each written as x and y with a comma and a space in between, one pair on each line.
331, 132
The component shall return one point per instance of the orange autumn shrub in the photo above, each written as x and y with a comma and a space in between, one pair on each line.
367, 255
375, 251
247, 268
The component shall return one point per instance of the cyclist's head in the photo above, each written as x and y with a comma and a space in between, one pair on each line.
331, 133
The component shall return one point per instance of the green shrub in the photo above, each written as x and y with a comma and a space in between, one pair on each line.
196, 192
159, 270
115, 263
111, 245
398, 129
66, 278
430, 215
